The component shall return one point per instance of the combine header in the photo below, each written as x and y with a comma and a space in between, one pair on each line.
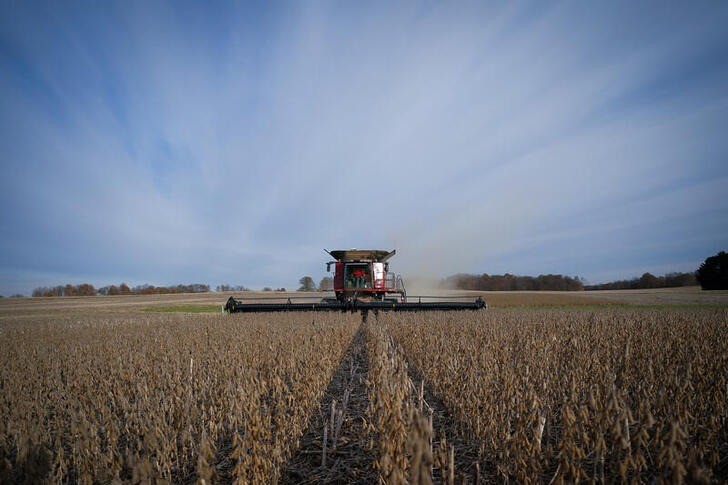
362, 282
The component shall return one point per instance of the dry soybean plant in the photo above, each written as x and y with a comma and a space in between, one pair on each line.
171, 398
567, 395
400, 426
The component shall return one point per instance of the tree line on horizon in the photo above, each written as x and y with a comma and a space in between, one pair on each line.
557, 282
510, 282
711, 275
648, 280
461, 281
85, 289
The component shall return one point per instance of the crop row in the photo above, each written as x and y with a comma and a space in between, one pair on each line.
575, 395
170, 398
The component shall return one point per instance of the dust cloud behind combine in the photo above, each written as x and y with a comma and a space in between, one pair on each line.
463, 239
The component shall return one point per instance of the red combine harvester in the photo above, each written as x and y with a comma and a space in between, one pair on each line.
364, 275
362, 282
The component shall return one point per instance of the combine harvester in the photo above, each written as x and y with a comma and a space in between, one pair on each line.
362, 282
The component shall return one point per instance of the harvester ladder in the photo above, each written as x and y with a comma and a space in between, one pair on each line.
400, 284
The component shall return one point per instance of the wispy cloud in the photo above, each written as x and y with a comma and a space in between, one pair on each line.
168, 142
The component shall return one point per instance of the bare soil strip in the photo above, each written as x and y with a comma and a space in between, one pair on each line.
348, 458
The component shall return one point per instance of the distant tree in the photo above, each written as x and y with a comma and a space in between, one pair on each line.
713, 273
199, 288
648, 280
673, 280
267, 288
46, 291
307, 284
144, 289
85, 289
326, 284
17, 295
124, 289
224, 288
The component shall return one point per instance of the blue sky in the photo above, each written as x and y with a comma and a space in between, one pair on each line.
168, 142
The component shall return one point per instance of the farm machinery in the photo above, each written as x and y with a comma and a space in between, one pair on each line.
362, 281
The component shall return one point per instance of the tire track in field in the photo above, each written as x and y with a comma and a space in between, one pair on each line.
348, 459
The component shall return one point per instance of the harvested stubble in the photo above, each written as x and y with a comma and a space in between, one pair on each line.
571, 395
172, 398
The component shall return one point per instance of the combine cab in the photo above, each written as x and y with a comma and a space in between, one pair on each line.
362, 282
364, 275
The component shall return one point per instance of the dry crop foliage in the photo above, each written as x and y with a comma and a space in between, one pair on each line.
167, 397
400, 420
551, 395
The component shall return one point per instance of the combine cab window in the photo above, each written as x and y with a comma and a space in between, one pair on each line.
357, 276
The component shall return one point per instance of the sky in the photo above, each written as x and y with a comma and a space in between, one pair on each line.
231, 142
